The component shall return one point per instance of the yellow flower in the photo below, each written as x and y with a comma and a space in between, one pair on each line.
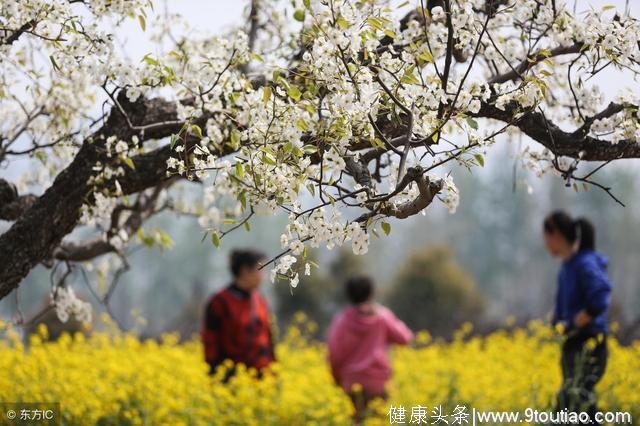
114, 378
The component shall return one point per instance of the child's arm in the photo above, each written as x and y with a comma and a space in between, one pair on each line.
211, 333
397, 331
335, 350
597, 289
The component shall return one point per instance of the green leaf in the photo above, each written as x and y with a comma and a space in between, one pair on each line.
246, 225
309, 108
143, 23
311, 189
242, 197
386, 227
409, 77
239, 170
257, 57
268, 159
165, 239
266, 94
145, 239
235, 138
307, 3
298, 15
215, 239
342, 23
267, 150
310, 149
545, 52
54, 63
302, 125
196, 130
41, 156
375, 142
472, 123
480, 159
426, 56
294, 93
129, 162
375, 23
148, 59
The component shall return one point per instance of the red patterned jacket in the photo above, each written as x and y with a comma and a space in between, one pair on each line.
236, 326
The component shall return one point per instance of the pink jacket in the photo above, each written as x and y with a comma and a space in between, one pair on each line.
358, 347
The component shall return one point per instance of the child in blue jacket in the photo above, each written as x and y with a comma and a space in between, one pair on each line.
582, 302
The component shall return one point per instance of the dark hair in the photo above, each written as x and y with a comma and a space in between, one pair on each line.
581, 229
587, 234
244, 258
359, 289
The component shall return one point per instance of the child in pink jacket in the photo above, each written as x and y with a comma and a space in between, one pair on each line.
358, 340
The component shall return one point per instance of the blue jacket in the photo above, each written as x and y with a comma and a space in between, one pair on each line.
583, 283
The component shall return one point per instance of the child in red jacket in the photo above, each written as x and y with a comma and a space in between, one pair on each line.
358, 341
236, 323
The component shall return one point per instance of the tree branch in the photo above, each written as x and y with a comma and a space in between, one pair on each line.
562, 143
36, 234
534, 60
12, 205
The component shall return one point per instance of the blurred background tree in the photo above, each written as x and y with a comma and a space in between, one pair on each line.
433, 292
188, 320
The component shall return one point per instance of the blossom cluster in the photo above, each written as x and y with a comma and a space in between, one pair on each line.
320, 118
67, 305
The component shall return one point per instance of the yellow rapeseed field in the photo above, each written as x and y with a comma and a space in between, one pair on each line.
112, 378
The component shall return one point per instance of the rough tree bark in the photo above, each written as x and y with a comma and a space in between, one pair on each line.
35, 235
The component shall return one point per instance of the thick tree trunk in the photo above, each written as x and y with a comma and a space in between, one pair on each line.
35, 235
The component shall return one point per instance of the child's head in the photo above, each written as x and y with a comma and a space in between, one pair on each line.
562, 233
359, 289
245, 267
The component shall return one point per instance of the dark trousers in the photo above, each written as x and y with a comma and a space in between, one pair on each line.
361, 400
584, 359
